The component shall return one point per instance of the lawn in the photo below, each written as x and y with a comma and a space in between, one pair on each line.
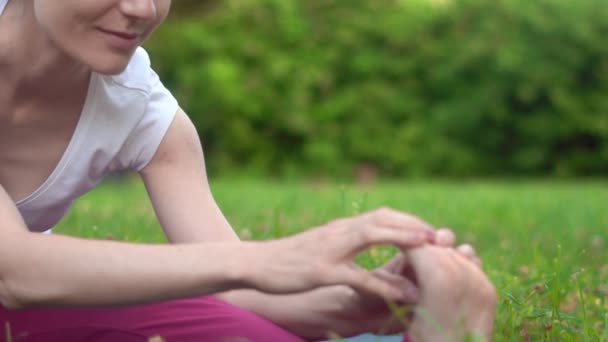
543, 242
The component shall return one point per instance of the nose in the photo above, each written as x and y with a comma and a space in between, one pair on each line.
139, 9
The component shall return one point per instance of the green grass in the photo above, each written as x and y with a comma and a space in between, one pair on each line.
543, 243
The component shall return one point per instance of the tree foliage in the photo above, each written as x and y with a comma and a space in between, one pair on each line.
416, 87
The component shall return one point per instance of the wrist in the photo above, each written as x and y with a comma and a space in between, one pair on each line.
243, 267
349, 313
332, 309
230, 265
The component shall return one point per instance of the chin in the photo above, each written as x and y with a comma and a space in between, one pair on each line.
109, 65
109, 70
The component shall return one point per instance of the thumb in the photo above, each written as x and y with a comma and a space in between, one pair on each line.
371, 282
408, 289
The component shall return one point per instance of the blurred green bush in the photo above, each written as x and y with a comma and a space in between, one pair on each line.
405, 87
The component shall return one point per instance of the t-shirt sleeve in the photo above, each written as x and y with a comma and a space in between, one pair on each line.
144, 140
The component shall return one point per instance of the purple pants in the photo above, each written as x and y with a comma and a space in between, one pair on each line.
187, 320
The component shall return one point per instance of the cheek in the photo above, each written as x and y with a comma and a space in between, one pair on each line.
162, 8
43, 12
53, 21
69, 32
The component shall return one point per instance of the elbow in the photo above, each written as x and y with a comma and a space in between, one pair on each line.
18, 294
9, 298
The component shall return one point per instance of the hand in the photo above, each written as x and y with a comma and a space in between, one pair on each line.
324, 256
456, 297
366, 312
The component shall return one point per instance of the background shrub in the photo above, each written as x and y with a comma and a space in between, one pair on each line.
405, 87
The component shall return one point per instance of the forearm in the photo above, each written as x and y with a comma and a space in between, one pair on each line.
311, 315
54, 270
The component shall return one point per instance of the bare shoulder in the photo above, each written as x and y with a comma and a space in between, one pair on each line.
181, 144
176, 180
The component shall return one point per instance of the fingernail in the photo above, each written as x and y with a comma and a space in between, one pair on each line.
411, 294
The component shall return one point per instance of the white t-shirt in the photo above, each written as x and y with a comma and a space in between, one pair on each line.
122, 123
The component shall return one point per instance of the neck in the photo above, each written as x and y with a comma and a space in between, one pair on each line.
36, 68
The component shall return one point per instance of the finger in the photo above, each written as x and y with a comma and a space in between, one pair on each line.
445, 237
362, 280
370, 235
400, 265
392, 218
395, 264
409, 290
469, 253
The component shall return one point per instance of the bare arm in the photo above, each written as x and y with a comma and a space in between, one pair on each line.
177, 183
50, 270
40, 270
43, 270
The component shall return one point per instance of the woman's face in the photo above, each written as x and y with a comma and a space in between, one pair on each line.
100, 33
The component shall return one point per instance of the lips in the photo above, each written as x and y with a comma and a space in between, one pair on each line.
121, 40
124, 35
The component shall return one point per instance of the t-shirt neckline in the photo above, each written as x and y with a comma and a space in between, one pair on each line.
3, 5
75, 141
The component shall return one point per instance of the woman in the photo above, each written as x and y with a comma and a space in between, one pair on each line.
78, 100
